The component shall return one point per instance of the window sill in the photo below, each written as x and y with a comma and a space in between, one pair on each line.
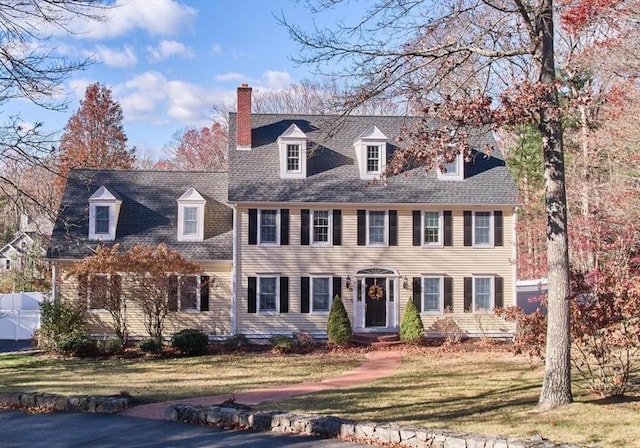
268, 313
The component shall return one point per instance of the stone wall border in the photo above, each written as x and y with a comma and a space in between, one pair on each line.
79, 403
386, 434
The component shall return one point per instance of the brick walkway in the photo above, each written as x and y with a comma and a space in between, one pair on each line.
377, 365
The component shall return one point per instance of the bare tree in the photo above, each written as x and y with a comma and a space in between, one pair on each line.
449, 60
31, 69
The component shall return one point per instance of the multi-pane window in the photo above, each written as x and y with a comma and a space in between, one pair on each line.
268, 293
102, 219
482, 229
451, 168
377, 227
432, 294
373, 159
188, 295
269, 226
482, 293
190, 220
293, 158
432, 228
321, 226
321, 297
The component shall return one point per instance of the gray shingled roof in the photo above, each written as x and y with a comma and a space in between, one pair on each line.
332, 172
148, 213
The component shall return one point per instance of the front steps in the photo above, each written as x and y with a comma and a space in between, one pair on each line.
377, 340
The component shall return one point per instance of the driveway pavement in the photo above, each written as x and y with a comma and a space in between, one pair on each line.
68, 430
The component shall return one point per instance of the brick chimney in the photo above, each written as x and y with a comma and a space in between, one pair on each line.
243, 138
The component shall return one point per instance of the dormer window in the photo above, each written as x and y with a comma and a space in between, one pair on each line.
292, 145
191, 216
371, 153
104, 209
373, 159
453, 170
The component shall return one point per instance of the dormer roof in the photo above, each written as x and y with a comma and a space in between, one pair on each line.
191, 195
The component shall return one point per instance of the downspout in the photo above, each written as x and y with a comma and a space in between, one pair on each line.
234, 277
514, 255
54, 281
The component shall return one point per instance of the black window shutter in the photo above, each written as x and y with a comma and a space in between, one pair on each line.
417, 293
468, 294
304, 294
251, 294
417, 227
498, 228
115, 288
498, 284
204, 293
337, 287
337, 227
448, 227
284, 294
284, 226
468, 231
393, 227
83, 288
172, 304
362, 228
253, 226
304, 227
448, 294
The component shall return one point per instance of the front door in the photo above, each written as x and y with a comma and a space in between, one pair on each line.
375, 296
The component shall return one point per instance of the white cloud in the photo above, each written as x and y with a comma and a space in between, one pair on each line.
216, 49
115, 57
276, 79
156, 17
231, 76
169, 48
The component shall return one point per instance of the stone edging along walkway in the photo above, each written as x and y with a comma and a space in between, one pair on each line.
377, 365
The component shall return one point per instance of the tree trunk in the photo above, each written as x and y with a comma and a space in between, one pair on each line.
556, 387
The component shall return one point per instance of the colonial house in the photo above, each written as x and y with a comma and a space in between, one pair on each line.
312, 221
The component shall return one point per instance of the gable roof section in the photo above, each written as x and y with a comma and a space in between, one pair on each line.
148, 214
332, 171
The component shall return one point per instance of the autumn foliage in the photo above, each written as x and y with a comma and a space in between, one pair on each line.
202, 149
147, 270
94, 136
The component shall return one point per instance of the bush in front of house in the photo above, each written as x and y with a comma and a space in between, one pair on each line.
150, 345
237, 343
411, 327
58, 319
339, 329
109, 346
78, 343
282, 344
304, 341
190, 341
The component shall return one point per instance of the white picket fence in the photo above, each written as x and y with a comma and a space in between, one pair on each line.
19, 315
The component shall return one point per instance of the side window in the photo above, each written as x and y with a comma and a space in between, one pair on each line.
268, 227
321, 294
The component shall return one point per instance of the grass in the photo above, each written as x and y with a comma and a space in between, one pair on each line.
485, 392
166, 379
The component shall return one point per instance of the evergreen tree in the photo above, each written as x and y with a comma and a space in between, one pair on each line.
339, 329
411, 327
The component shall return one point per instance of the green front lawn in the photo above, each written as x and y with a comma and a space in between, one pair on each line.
167, 379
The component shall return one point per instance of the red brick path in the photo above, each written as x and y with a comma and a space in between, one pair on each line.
377, 365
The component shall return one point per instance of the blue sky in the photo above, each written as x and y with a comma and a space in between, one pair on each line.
168, 61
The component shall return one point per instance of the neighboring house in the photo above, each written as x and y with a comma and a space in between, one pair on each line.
311, 222
187, 211
14, 254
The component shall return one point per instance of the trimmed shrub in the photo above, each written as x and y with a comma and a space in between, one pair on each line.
305, 341
109, 346
411, 327
282, 344
78, 343
150, 345
339, 329
190, 341
237, 343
